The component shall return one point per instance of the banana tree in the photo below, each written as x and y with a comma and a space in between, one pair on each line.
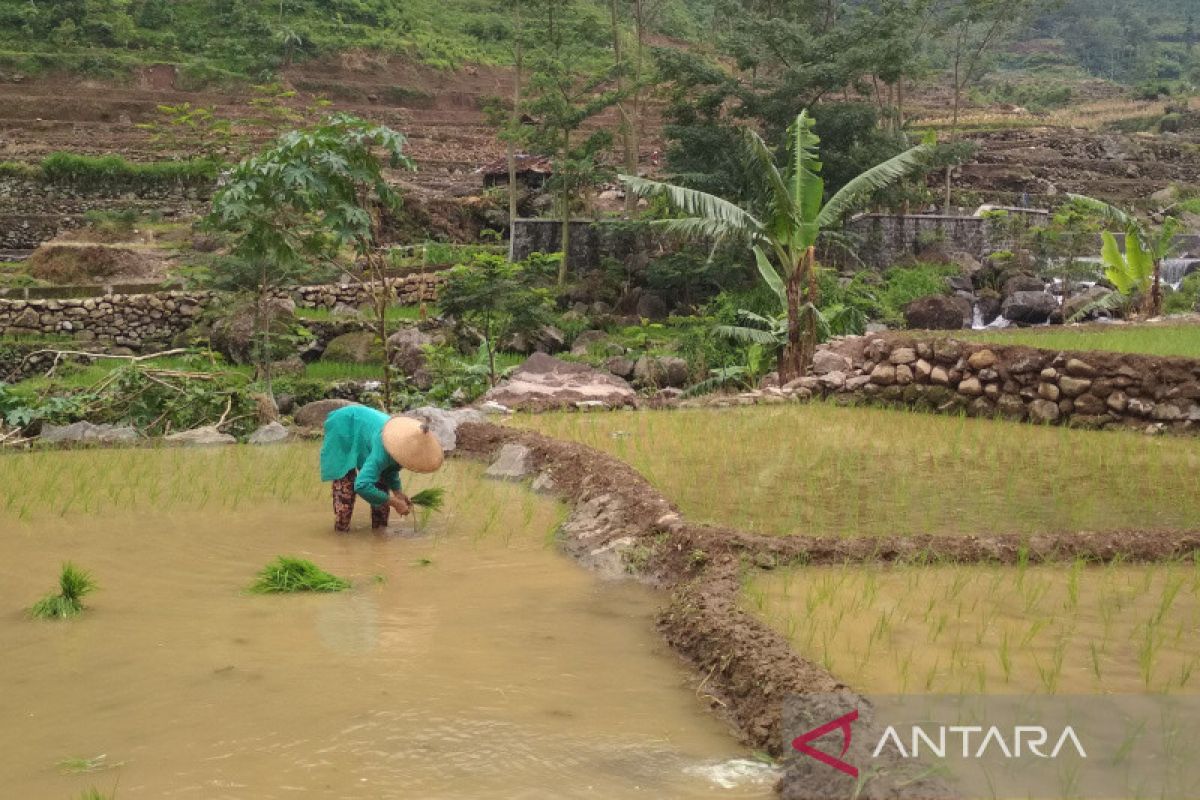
789, 214
1139, 267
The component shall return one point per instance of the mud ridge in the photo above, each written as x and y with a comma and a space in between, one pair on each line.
620, 524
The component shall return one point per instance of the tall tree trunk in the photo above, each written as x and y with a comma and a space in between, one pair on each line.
564, 201
808, 342
383, 292
634, 136
622, 111
900, 104
262, 324
1156, 289
797, 355
514, 120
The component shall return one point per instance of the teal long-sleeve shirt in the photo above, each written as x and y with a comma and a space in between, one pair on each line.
352, 441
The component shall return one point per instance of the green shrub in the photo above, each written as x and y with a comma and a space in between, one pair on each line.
1185, 298
82, 170
902, 285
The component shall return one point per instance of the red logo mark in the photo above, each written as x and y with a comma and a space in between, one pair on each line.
801, 743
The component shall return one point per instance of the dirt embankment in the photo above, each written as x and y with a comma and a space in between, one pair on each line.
745, 670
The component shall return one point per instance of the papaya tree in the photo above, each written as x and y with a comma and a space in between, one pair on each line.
298, 205
782, 223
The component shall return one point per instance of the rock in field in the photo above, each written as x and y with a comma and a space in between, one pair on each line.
512, 463
271, 433
88, 432
444, 424
1032, 308
938, 313
200, 437
358, 347
544, 382
312, 415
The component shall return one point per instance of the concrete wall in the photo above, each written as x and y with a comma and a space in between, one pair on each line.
591, 241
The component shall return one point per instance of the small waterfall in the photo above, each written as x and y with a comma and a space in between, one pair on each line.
1174, 270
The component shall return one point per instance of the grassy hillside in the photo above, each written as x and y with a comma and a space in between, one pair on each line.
214, 39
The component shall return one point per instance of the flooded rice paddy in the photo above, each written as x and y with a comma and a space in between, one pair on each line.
1064, 629
470, 660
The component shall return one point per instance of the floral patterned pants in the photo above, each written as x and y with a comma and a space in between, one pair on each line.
343, 504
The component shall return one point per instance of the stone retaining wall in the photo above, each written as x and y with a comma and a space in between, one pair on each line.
1089, 389
34, 209
136, 320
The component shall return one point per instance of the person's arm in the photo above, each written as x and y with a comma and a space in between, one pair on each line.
365, 484
391, 476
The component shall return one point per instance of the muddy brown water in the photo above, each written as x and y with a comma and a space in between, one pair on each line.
470, 661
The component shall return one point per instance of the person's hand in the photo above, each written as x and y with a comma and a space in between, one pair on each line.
400, 502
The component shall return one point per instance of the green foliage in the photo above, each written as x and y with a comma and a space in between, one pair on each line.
496, 297
112, 170
73, 585
286, 574
153, 399
902, 285
786, 215
299, 202
466, 379
1186, 298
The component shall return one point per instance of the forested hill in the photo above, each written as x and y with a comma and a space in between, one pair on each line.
1130, 41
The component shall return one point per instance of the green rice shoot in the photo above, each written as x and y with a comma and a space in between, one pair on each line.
73, 585
286, 574
428, 500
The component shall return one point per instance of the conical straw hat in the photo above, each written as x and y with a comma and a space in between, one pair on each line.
411, 445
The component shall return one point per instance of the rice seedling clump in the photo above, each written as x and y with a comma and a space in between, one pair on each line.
73, 585
286, 574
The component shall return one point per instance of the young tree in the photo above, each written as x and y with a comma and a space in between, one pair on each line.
563, 95
782, 229
497, 298
294, 207
1137, 268
973, 30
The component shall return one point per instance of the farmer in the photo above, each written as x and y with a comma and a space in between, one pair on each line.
363, 453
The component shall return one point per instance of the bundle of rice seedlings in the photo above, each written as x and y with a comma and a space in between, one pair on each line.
73, 584
428, 500
286, 574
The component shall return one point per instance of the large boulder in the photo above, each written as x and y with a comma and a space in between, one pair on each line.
233, 335
651, 306
544, 382
271, 433
1078, 302
661, 372
357, 347
514, 462
988, 303
938, 312
1032, 308
547, 339
444, 424
1023, 282
408, 355
88, 432
200, 437
312, 415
